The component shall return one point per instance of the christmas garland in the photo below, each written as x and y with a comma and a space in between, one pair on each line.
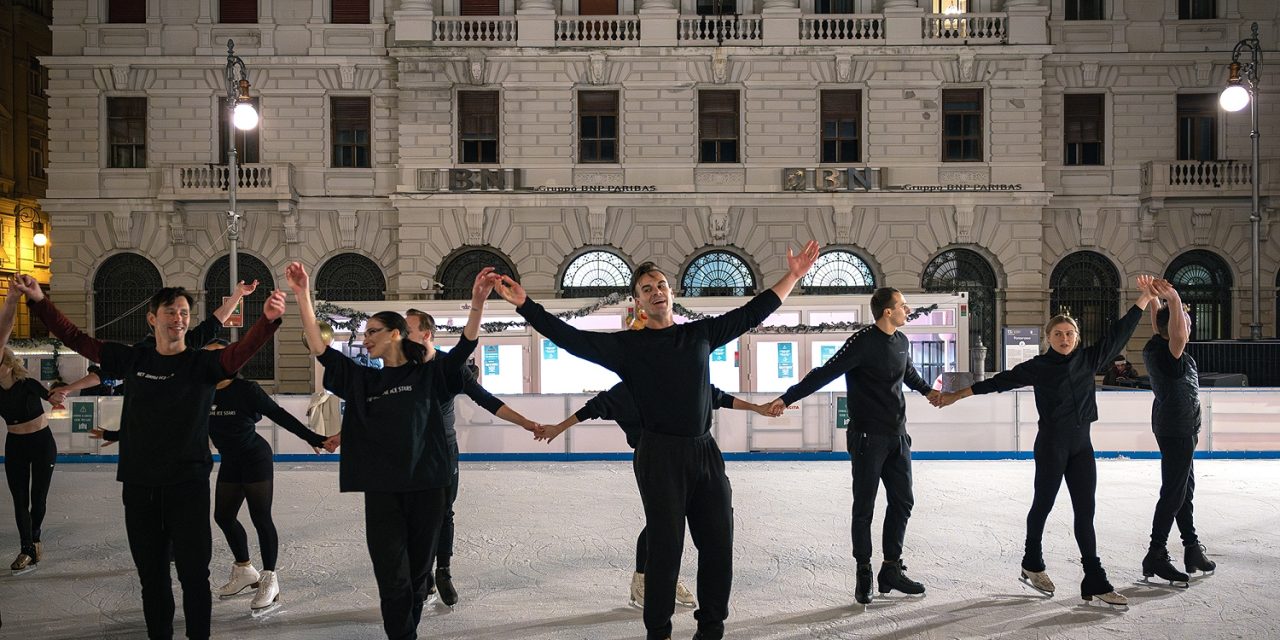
33, 344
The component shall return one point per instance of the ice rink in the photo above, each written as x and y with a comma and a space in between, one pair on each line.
545, 551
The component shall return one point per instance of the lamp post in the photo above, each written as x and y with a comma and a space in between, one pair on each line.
244, 117
29, 214
1234, 98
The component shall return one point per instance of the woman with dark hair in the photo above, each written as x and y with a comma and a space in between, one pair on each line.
1063, 379
394, 447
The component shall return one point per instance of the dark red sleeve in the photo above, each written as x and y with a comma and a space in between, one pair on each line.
70, 335
239, 352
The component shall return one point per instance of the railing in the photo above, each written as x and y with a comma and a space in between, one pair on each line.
210, 181
598, 29
968, 27
474, 29
1195, 175
720, 29
841, 27
1213, 178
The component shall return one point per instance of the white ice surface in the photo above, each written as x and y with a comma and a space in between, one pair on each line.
545, 550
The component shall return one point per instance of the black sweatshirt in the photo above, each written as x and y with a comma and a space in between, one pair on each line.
1175, 412
666, 370
164, 424
236, 410
21, 402
617, 404
393, 436
1064, 385
874, 364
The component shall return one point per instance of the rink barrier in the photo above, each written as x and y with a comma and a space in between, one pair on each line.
741, 456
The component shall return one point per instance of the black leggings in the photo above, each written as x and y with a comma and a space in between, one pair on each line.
28, 466
1069, 455
1177, 489
642, 550
227, 499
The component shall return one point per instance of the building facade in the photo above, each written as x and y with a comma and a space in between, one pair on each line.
1035, 153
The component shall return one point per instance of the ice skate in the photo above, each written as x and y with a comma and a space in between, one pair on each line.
1157, 563
1195, 561
684, 597
24, 563
862, 592
637, 590
1096, 585
444, 585
892, 576
39, 552
1038, 580
242, 577
267, 599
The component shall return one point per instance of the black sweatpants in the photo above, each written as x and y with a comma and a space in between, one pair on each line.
1177, 489
28, 467
683, 478
157, 519
879, 458
401, 530
1063, 454
642, 550
444, 547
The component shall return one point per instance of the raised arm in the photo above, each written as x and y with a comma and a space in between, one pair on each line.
455, 361
9, 312
600, 348
62, 328
238, 353
241, 292
1179, 327
1117, 335
299, 282
797, 267
724, 328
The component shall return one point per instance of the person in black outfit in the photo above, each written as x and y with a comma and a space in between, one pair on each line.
678, 465
394, 447
1175, 420
875, 362
1063, 379
164, 443
246, 474
422, 330
30, 451
618, 405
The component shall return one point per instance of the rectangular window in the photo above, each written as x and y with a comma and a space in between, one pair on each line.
126, 11
717, 7
35, 157
1084, 10
127, 133
35, 78
1198, 127
479, 7
951, 6
841, 126
350, 132
833, 6
478, 126
1082, 135
238, 11
350, 12
598, 126
962, 125
247, 151
717, 126
1197, 9
597, 7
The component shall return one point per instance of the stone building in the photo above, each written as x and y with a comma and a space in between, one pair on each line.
1036, 153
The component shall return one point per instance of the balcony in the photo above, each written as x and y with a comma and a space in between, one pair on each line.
719, 30
1195, 179
848, 28
598, 30
965, 28
210, 181
475, 30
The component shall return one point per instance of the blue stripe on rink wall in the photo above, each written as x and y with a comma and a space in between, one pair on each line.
776, 456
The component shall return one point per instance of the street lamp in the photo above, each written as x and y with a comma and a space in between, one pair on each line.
243, 117
28, 214
1234, 98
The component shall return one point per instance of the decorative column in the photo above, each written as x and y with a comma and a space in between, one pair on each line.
658, 19
1028, 21
536, 23
903, 22
414, 21
781, 22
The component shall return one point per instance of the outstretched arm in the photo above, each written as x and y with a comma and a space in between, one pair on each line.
1117, 335
268, 407
299, 282
70, 335
242, 291
600, 348
238, 353
797, 267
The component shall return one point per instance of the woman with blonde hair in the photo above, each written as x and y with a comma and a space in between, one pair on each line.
1064, 386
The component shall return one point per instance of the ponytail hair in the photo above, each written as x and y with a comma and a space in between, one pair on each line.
413, 352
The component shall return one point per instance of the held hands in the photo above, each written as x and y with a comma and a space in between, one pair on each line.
510, 290
799, 265
273, 308
246, 290
57, 397
28, 286
296, 276
330, 444
1147, 293
549, 432
483, 285
940, 399
775, 408
762, 409
1164, 289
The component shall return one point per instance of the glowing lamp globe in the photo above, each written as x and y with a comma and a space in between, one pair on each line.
245, 116
1234, 98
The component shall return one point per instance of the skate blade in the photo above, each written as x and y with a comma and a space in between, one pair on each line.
1028, 583
22, 572
1201, 574
889, 596
269, 610
638, 605
687, 605
1167, 584
1098, 603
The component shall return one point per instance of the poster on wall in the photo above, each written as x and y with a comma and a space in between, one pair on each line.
48, 369
1020, 344
82, 416
549, 350
786, 360
490, 359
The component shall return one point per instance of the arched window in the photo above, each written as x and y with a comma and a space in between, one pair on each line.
837, 272
121, 289
1087, 285
718, 273
350, 276
1204, 283
965, 270
459, 272
262, 366
595, 274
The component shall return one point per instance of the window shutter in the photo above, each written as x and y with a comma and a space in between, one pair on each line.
350, 12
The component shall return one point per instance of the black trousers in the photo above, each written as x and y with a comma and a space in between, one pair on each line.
401, 530
878, 458
177, 516
683, 479
1177, 488
642, 550
28, 468
1059, 455
444, 547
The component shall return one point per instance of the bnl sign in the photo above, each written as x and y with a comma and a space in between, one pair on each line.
831, 179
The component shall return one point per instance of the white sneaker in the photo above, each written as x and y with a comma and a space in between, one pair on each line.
684, 597
242, 577
268, 591
637, 590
